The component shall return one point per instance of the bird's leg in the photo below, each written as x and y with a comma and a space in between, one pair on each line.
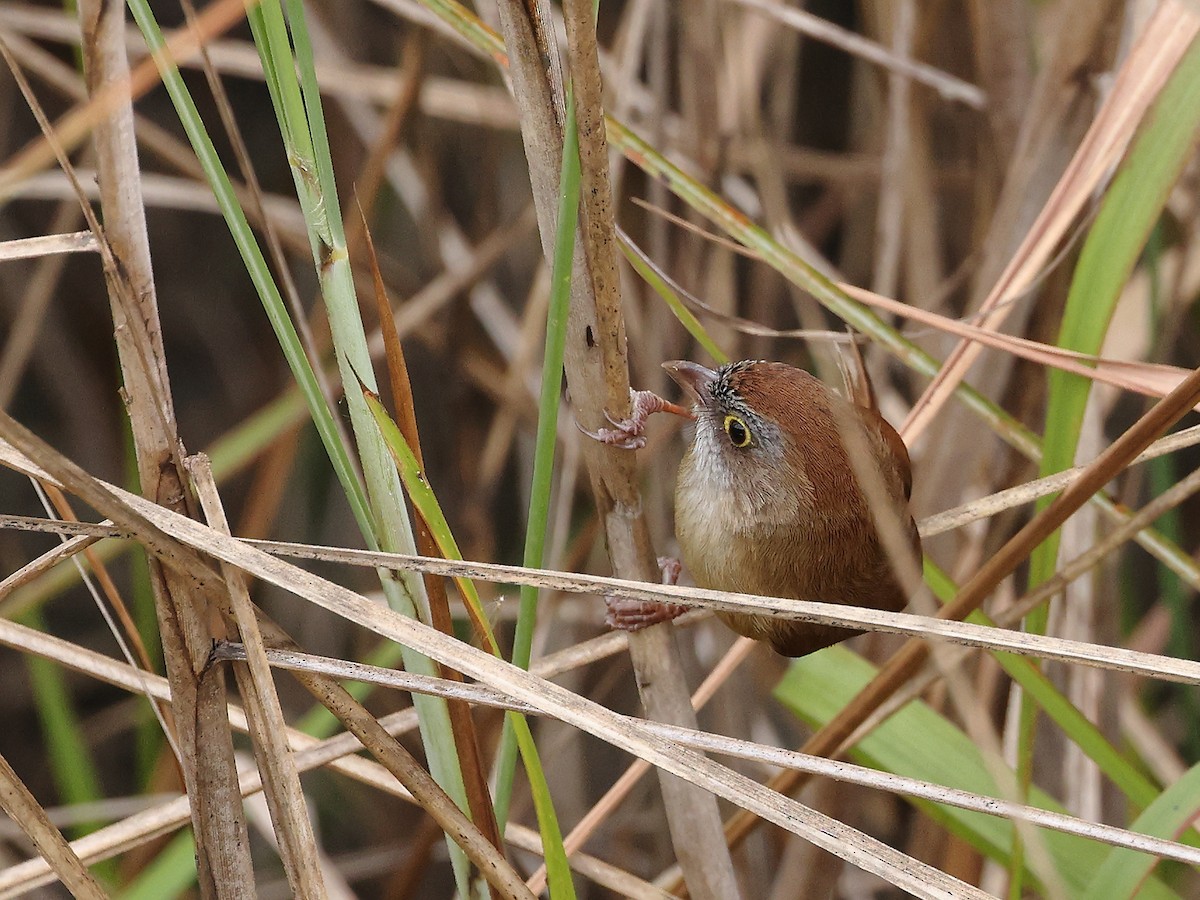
633, 615
628, 434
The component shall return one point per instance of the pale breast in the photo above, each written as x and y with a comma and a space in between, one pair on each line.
723, 531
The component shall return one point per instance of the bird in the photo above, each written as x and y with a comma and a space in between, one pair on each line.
767, 500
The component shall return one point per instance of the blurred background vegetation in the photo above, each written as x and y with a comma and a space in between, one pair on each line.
918, 183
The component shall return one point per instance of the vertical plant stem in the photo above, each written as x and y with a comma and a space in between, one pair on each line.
257, 269
181, 605
598, 371
547, 435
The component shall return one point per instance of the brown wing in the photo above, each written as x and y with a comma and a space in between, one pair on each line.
897, 452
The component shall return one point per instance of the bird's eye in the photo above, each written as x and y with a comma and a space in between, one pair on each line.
739, 434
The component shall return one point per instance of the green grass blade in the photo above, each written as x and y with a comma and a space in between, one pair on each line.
71, 764
425, 501
319, 137
921, 743
256, 267
547, 435
299, 111
274, 42
1125, 871
558, 870
551, 387
170, 874
1129, 212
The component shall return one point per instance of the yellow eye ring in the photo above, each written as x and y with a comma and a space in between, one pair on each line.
739, 434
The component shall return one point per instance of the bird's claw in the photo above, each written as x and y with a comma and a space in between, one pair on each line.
671, 569
629, 434
633, 615
626, 434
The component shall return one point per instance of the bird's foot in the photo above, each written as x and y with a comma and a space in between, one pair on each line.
670, 568
633, 615
629, 434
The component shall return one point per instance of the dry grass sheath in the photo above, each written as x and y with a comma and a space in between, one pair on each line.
1001, 198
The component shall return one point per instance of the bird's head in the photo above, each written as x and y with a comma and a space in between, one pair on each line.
742, 418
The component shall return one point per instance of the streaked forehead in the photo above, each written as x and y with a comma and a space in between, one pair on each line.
730, 381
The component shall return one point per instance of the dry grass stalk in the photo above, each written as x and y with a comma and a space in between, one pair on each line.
21, 806
597, 373
47, 245
204, 739
182, 605
1184, 671
187, 536
268, 728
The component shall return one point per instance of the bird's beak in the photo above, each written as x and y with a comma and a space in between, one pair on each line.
694, 378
